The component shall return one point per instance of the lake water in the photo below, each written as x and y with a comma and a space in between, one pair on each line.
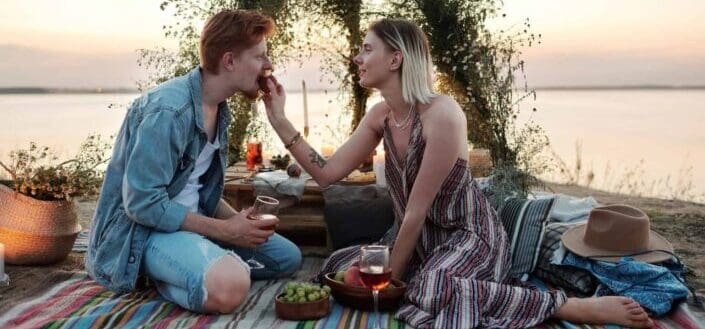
650, 142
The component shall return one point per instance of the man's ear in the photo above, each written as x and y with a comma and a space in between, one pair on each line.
397, 59
229, 61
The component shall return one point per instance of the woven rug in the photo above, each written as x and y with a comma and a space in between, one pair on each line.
79, 302
81, 243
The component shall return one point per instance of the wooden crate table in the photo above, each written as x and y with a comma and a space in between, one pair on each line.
300, 222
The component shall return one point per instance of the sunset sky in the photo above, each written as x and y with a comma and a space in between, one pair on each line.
92, 43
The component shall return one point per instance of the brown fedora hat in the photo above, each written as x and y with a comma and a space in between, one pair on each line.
616, 231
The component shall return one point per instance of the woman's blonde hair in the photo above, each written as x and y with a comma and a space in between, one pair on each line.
416, 67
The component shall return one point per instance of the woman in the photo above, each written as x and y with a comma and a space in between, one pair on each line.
447, 241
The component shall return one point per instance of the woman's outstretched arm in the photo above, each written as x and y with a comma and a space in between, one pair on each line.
348, 157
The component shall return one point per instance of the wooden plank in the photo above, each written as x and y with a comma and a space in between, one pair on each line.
304, 226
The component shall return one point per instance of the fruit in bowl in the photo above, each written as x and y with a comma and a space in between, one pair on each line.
352, 276
301, 292
347, 290
303, 301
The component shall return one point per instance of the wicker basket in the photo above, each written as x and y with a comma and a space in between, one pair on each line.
36, 232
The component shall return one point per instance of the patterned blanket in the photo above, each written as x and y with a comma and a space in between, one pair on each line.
79, 302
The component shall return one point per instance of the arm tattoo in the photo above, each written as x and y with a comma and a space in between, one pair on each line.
317, 158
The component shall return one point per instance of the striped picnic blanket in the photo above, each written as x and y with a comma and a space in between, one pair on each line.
81, 243
80, 302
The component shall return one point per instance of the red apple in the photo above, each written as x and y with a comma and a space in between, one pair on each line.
352, 277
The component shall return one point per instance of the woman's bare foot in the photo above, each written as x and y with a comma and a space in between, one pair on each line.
622, 311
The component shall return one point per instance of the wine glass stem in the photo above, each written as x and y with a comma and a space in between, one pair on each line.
375, 297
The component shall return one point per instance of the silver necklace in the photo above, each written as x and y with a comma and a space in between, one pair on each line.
405, 123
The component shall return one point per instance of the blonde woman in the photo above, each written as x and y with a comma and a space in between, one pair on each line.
447, 241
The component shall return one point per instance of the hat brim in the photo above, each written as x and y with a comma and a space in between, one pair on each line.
572, 239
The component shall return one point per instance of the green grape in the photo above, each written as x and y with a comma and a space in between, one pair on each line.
324, 294
326, 289
302, 299
340, 276
312, 297
300, 292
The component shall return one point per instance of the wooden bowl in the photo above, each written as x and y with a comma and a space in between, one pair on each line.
361, 298
301, 311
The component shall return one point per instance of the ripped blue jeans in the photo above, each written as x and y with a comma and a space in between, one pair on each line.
177, 262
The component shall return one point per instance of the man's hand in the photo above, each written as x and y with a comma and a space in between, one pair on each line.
240, 231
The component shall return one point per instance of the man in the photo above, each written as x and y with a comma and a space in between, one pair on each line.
160, 214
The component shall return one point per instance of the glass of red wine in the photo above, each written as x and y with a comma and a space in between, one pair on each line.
375, 272
264, 208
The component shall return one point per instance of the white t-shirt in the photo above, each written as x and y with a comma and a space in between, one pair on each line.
189, 196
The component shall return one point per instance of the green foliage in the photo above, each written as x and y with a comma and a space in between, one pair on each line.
34, 173
479, 68
346, 17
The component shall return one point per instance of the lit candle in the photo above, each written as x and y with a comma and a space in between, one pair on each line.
378, 167
327, 151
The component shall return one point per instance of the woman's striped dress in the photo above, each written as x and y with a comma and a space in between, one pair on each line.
458, 276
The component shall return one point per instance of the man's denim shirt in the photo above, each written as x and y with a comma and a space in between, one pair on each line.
155, 152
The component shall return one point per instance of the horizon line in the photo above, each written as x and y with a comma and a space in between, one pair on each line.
128, 90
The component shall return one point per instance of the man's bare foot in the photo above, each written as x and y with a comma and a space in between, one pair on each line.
622, 311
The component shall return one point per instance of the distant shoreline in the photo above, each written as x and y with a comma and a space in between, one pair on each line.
41, 91
618, 88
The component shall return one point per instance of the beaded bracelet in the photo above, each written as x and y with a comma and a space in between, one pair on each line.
294, 140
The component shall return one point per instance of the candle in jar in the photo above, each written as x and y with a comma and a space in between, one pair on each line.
327, 151
378, 167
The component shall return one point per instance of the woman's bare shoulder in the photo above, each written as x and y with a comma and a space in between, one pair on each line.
375, 116
379, 110
443, 110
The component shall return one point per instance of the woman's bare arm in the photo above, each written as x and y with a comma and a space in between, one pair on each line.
348, 157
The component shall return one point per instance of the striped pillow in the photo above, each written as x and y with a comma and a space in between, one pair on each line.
525, 221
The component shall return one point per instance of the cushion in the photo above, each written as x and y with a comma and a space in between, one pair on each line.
524, 221
357, 214
571, 278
